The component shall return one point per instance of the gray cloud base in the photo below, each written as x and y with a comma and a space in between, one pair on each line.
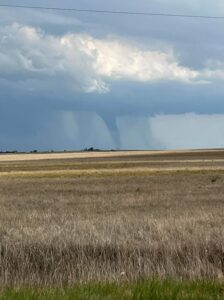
83, 106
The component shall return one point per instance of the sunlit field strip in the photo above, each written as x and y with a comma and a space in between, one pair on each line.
110, 162
109, 172
43, 156
40, 156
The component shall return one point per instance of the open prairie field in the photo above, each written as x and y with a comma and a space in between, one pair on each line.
115, 216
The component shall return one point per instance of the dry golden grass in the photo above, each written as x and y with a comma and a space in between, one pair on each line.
166, 221
103, 154
74, 155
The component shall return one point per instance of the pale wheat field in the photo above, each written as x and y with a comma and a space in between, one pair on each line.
111, 217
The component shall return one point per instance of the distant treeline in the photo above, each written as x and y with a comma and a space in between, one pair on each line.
52, 151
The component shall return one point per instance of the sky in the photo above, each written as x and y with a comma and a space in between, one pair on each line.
70, 81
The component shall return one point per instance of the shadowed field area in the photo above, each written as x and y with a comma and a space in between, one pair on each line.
70, 220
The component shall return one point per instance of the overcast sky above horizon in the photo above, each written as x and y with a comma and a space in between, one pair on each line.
75, 80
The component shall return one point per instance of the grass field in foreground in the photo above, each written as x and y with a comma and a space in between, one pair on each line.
155, 290
65, 222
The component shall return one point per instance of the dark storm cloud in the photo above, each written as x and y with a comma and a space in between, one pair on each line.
51, 110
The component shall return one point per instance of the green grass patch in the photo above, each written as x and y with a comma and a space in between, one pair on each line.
155, 290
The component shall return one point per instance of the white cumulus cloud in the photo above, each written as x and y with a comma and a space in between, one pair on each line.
83, 62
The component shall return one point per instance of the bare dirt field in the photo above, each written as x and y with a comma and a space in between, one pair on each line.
111, 216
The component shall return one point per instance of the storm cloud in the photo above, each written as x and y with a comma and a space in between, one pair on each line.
76, 81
